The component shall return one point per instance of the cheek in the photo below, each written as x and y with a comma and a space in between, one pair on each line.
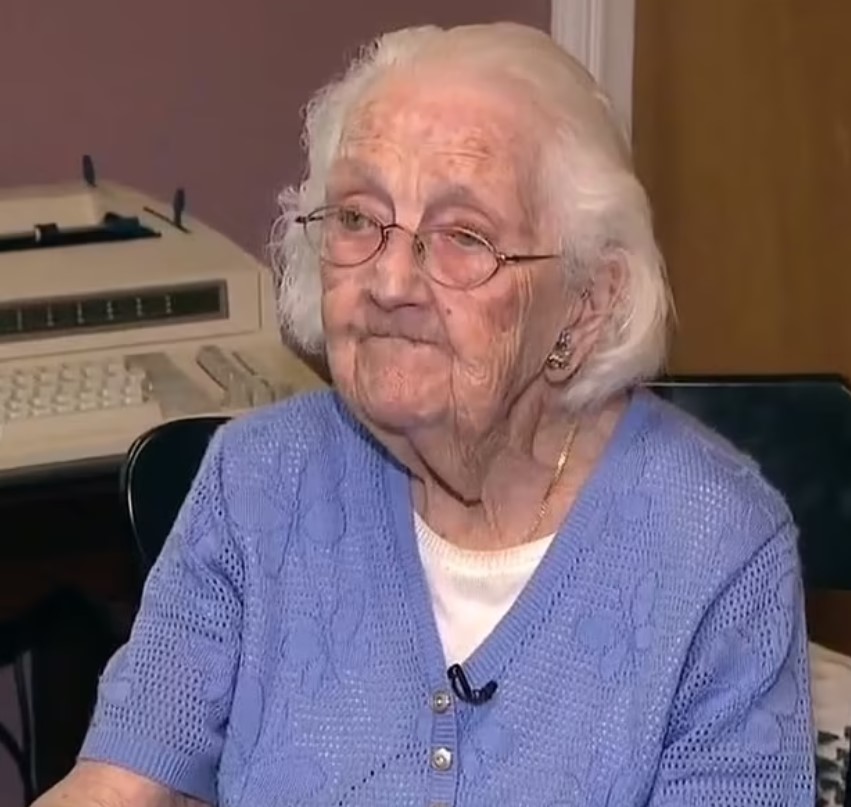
340, 303
339, 308
485, 332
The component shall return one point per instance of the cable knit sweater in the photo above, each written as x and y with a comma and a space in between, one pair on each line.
286, 651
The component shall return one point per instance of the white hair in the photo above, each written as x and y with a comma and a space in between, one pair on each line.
587, 182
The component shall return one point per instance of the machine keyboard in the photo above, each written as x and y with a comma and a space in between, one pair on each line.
39, 392
96, 406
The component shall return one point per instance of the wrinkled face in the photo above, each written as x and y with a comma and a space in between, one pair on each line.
404, 350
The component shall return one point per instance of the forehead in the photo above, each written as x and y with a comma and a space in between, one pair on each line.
458, 128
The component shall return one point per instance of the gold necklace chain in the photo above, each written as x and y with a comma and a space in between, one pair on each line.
563, 457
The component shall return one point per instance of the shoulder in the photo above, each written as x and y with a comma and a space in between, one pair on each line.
281, 458
304, 416
292, 430
715, 506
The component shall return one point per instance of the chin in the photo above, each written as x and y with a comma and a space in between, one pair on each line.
399, 410
395, 385
401, 402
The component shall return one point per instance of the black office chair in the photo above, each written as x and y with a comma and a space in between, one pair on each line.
16, 639
157, 475
797, 427
64, 612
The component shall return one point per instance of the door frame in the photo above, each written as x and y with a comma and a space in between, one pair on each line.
601, 34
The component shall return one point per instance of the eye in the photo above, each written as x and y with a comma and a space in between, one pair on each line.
351, 220
465, 239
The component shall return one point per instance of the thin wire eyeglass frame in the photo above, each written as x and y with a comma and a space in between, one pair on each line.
419, 248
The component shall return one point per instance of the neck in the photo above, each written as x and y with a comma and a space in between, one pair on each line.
486, 492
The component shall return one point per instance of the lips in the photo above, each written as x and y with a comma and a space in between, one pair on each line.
409, 326
413, 338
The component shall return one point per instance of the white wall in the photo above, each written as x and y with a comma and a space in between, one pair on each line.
600, 33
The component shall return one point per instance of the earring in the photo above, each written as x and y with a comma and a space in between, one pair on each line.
560, 355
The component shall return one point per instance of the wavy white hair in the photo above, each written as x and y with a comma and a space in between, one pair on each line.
587, 182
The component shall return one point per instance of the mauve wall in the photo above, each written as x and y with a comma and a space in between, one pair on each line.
201, 93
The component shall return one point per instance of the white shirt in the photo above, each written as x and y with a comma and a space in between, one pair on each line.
471, 591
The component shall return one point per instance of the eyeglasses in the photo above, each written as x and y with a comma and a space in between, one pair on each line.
452, 256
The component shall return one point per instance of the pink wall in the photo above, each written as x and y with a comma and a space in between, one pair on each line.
201, 93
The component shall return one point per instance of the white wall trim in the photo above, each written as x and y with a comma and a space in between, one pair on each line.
601, 34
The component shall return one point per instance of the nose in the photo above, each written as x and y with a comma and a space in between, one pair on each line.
397, 279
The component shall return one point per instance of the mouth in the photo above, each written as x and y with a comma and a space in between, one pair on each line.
411, 335
405, 328
405, 339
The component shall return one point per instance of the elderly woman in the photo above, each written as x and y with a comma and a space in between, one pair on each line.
487, 568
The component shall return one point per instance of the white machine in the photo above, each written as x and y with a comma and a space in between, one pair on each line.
117, 312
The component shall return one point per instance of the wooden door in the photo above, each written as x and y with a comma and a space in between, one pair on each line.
742, 131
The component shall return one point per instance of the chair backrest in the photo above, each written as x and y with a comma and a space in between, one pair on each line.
798, 428
156, 476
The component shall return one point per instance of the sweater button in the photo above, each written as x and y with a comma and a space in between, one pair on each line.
441, 759
440, 702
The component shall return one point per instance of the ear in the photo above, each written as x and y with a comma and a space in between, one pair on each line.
588, 319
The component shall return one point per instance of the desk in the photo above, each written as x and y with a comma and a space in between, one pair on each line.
64, 530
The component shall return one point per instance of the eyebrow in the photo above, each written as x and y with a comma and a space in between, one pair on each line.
356, 175
351, 175
453, 194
